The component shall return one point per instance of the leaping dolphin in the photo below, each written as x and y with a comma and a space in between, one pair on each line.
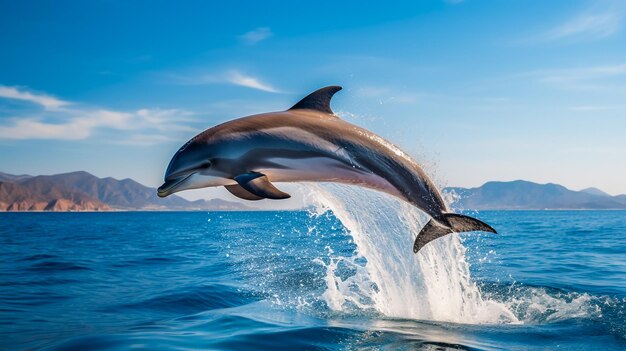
308, 143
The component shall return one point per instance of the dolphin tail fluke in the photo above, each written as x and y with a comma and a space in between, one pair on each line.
457, 223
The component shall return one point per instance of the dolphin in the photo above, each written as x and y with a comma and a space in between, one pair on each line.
308, 143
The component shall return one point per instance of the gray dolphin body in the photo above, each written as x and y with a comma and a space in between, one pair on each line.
308, 143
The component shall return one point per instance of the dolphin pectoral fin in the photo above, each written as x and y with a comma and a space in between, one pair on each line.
242, 193
318, 100
258, 184
458, 223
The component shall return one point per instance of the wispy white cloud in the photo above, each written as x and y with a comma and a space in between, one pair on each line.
589, 78
74, 128
580, 78
77, 123
46, 101
83, 124
257, 35
602, 19
587, 25
234, 77
237, 78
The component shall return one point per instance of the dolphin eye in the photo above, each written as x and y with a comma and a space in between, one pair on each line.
205, 164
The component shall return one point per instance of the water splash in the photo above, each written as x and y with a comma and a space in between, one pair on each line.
388, 277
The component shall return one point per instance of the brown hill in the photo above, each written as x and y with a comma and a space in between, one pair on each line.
16, 197
81, 191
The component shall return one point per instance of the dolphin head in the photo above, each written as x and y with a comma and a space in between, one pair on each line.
192, 168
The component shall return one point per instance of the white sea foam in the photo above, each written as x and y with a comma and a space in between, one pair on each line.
435, 284
385, 276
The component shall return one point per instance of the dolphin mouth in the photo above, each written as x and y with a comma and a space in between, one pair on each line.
168, 188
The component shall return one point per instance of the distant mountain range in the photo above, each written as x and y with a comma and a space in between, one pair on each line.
524, 195
81, 191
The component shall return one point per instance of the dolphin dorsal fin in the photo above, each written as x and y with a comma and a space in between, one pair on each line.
318, 100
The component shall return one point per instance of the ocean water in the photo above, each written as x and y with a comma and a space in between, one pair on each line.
340, 276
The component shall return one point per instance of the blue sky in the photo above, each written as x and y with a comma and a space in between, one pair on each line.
474, 90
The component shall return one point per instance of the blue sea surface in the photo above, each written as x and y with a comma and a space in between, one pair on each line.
260, 281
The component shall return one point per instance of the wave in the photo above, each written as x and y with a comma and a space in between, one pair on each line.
536, 305
389, 278
56, 266
193, 299
385, 277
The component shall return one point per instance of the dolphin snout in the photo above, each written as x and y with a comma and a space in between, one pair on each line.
169, 187
162, 191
